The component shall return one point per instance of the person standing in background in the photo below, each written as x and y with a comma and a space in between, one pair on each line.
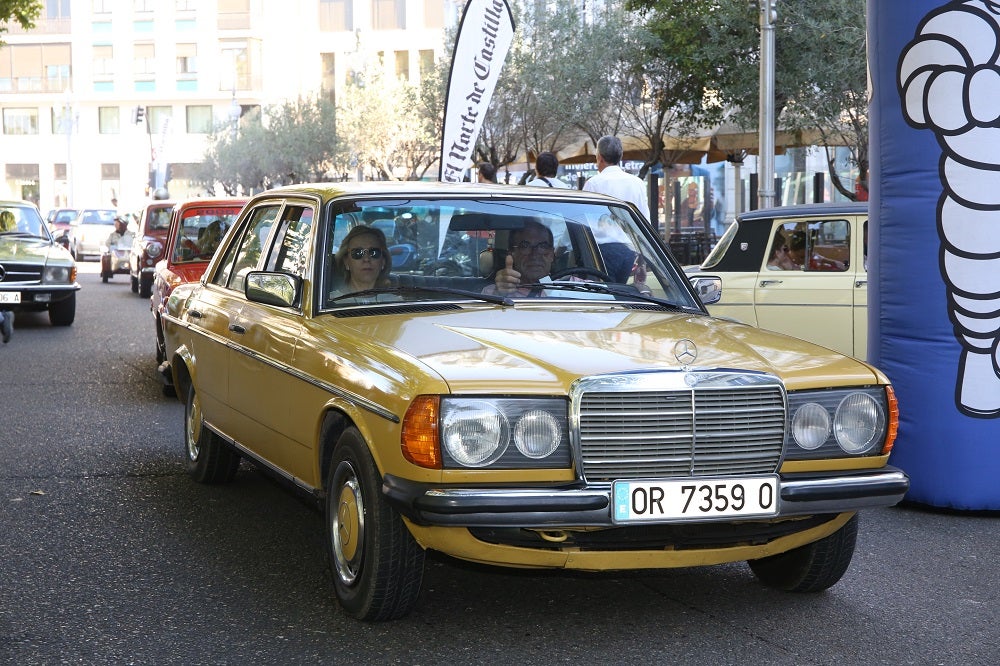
546, 167
487, 173
614, 181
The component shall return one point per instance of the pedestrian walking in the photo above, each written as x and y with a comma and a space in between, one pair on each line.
612, 180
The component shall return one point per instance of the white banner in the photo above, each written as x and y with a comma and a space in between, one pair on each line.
484, 37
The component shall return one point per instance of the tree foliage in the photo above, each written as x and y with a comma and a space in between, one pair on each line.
23, 11
820, 63
286, 143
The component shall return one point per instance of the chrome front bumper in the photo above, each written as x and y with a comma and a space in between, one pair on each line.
579, 505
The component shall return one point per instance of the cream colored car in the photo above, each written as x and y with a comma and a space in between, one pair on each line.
595, 419
800, 270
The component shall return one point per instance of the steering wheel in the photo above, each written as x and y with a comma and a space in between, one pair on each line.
581, 271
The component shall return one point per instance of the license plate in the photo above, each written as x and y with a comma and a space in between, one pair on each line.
10, 297
694, 498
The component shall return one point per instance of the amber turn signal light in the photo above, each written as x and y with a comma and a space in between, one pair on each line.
893, 425
419, 439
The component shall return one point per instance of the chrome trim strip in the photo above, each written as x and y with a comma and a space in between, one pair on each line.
244, 451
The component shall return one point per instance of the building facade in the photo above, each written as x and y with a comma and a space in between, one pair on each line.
102, 95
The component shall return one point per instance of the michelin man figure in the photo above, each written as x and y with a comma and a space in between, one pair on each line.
949, 83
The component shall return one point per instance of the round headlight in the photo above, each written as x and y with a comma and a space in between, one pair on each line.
859, 423
154, 249
537, 434
474, 433
811, 426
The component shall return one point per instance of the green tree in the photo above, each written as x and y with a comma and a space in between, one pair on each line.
286, 143
23, 11
820, 65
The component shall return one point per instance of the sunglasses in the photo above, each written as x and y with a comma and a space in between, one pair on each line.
362, 252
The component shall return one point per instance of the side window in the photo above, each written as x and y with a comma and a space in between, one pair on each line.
244, 254
817, 246
292, 242
781, 256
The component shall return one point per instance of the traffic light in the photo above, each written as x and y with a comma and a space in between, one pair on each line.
138, 114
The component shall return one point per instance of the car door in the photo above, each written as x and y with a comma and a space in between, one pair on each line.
807, 287
262, 386
215, 311
860, 253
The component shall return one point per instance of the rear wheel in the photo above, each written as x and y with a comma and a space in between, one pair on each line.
135, 284
377, 565
208, 458
63, 312
145, 285
813, 567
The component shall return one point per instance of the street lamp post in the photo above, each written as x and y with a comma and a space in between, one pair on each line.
765, 185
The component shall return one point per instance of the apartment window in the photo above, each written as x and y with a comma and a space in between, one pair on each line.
433, 14
426, 62
62, 119
236, 64
57, 9
403, 65
144, 5
158, 118
20, 121
109, 119
185, 5
144, 60
389, 14
35, 67
336, 15
104, 62
199, 119
187, 59
103, 6
328, 84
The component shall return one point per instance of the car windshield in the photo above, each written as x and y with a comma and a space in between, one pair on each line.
159, 219
23, 221
449, 249
200, 231
98, 216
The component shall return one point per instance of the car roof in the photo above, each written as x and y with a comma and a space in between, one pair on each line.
326, 191
807, 210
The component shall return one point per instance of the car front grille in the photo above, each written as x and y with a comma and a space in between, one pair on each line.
709, 426
18, 272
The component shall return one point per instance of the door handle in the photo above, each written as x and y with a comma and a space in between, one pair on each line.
236, 328
766, 283
860, 283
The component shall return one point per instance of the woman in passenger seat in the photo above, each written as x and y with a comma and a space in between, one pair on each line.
362, 263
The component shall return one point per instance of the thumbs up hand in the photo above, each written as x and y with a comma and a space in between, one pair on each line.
507, 279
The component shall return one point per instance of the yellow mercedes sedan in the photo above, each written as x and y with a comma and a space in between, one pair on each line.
515, 376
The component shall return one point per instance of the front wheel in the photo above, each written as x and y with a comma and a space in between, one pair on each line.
63, 312
145, 285
208, 458
377, 565
135, 284
813, 567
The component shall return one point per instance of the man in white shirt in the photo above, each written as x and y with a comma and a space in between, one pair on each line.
614, 181
546, 167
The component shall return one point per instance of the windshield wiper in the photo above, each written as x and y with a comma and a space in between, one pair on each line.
603, 288
496, 299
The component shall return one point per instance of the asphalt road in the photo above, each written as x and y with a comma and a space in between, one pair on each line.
109, 554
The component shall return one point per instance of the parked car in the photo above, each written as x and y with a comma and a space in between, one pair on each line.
60, 221
147, 249
800, 270
580, 422
36, 272
196, 229
89, 231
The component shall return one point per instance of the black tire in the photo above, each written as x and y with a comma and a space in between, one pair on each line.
208, 458
63, 312
377, 566
104, 278
135, 284
813, 567
145, 285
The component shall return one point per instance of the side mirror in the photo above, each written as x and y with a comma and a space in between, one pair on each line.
708, 289
280, 289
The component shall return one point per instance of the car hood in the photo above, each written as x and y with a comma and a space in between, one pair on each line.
529, 348
31, 250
